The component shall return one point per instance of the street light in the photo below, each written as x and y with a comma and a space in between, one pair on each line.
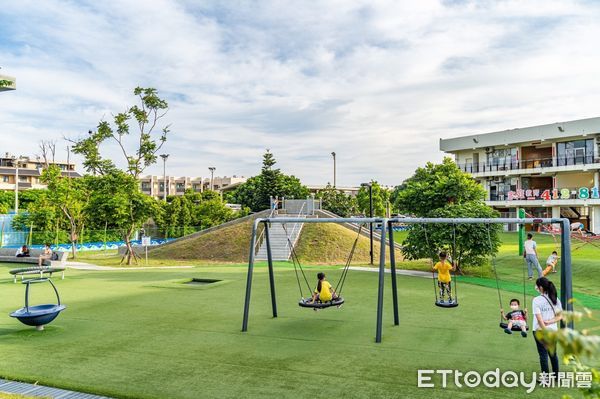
212, 172
370, 185
16, 163
333, 155
164, 158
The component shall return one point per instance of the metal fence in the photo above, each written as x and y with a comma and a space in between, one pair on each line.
90, 240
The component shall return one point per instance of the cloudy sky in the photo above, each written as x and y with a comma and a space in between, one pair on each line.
378, 82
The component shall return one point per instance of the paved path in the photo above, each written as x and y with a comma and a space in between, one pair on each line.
414, 273
89, 266
22, 388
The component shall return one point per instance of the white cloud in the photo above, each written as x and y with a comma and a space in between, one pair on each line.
377, 82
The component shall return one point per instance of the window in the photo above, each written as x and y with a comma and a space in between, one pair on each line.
180, 187
5, 179
23, 179
499, 188
145, 186
575, 152
161, 186
502, 159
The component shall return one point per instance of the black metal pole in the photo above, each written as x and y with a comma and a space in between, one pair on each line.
249, 277
566, 281
271, 275
393, 273
381, 282
371, 224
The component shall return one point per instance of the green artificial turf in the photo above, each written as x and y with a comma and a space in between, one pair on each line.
144, 334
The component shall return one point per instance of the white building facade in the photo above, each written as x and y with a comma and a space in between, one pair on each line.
548, 170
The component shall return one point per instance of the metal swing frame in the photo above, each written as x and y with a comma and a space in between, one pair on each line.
387, 238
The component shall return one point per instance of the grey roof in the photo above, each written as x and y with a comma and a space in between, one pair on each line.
34, 172
550, 131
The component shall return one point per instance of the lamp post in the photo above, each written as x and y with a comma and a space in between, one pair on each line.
370, 185
16, 162
212, 173
333, 155
164, 158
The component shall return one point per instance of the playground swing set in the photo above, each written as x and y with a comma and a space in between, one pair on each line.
387, 241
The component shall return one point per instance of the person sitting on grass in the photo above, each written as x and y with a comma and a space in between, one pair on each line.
46, 254
515, 318
23, 252
551, 264
324, 291
443, 268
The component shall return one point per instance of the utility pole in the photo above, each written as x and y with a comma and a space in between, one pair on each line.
164, 158
212, 173
370, 185
16, 162
334, 174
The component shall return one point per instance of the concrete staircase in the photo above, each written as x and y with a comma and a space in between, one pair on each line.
280, 248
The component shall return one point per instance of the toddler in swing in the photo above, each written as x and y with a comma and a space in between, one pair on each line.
515, 318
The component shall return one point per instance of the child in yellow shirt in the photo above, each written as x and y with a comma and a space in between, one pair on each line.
443, 268
324, 291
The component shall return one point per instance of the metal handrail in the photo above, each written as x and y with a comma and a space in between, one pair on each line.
534, 163
291, 236
261, 236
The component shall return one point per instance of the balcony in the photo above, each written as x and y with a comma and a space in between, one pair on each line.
528, 164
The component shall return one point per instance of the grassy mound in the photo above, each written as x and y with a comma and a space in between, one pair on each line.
318, 244
329, 243
229, 244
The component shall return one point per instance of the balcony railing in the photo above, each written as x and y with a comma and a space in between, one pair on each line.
493, 166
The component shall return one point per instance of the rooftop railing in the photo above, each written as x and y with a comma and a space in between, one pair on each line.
507, 165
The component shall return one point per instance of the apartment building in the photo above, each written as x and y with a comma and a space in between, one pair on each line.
224, 183
154, 185
549, 170
29, 171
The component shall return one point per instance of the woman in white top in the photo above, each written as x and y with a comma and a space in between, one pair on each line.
546, 315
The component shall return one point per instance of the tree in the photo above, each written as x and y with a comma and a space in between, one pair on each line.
181, 213
443, 190
43, 216
6, 201
380, 199
337, 201
70, 197
255, 193
468, 244
115, 199
394, 196
437, 185
146, 116
28, 197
